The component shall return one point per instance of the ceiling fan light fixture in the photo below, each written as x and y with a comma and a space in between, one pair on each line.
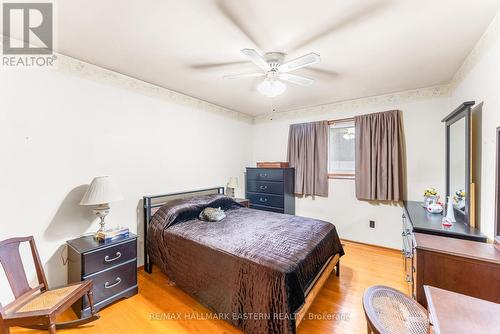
271, 87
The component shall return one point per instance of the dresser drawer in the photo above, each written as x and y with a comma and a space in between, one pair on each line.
267, 200
262, 174
267, 208
265, 187
105, 258
113, 281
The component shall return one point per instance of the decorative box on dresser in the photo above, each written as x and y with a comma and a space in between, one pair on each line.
271, 189
456, 259
112, 266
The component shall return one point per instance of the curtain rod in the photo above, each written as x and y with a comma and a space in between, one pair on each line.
350, 119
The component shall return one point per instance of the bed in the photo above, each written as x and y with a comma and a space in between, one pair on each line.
258, 270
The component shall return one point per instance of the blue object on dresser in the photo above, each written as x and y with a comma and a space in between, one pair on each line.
271, 189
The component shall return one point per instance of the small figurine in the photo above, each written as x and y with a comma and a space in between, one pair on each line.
446, 222
450, 213
435, 208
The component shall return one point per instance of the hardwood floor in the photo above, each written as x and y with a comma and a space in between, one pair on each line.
340, 298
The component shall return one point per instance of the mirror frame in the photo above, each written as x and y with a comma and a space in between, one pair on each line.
497, 180
463, 111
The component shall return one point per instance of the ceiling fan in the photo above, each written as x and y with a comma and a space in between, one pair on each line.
273, 67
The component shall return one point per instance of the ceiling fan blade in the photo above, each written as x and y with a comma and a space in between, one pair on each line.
208, 66
354, 18
229, 12
296, 79
308, 59
256, 58
244, 75
319, 71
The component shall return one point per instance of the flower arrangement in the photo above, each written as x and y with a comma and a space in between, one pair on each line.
460, 194
430, 196
459, 199
430, 192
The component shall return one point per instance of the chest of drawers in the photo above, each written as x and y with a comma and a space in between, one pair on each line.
112, 266
271, 189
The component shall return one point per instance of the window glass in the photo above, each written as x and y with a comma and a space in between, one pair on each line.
341, 158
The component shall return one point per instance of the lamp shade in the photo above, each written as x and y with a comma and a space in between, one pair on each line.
102, 190
233, 183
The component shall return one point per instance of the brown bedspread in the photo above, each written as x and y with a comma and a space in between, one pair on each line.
252, 268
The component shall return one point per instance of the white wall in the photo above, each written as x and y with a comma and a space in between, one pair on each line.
481, 83
59, 129
425, 164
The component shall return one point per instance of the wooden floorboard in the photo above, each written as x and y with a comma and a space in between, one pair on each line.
340, 299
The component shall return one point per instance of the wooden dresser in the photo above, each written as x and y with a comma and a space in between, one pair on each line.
448, 258
271, 189
111, 265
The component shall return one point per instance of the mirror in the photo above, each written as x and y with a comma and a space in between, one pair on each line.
458, 162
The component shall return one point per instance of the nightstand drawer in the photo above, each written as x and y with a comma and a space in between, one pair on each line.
113, 281
111, 265
105, 258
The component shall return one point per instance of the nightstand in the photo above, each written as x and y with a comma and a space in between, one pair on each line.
243, 201
111, 265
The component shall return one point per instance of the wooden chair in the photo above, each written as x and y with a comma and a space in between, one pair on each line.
38, 307
389, 311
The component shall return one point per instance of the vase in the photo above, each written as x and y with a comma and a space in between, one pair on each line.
428, 200
461, 203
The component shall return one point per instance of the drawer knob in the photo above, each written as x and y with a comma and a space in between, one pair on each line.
263, 175
108, 285
108, 259
263, 200
263, 187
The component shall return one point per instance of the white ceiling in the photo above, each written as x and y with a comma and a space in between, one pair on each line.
368, 47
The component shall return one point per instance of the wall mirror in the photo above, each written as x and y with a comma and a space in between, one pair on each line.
459, 183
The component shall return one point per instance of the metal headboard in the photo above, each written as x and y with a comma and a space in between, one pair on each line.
153, 202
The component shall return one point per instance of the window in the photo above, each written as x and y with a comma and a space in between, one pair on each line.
341, 159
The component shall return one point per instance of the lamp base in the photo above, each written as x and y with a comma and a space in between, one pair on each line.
101, 211
230, 192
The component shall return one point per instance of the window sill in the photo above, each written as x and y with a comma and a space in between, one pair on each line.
341, 176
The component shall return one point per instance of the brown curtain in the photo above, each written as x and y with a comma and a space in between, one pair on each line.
379, 156
308, 154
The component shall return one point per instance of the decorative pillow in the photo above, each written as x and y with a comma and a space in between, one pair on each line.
212, 214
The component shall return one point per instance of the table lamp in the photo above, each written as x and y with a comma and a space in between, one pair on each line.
232, 184
101, 192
